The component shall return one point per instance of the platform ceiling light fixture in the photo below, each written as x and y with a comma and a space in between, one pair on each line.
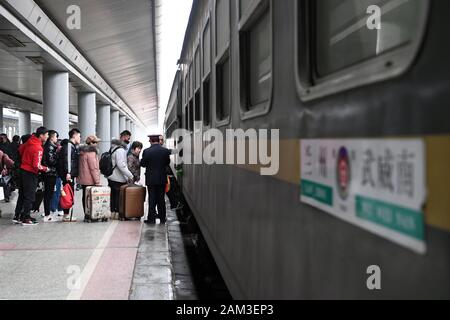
10, 41
37, 60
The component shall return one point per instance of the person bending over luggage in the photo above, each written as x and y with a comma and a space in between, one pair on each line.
121, 174
134, 164
68, 165
50, 160
31, 156
89, 166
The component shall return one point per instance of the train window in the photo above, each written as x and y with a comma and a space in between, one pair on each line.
197, 69
186, 90
186, 117
257, 56
198, 114
343, 38
222, 25
223, 89
189, 85
191, 115
355, 42
206, 96
243, 7
223, 65
255, 40
191, 80
207, 50
197, 81
207, 102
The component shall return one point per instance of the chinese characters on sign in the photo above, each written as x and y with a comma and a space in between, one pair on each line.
378, 185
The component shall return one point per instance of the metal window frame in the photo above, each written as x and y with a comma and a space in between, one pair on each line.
197, 50
197, 88
208, 76
254, 12
191, 76
387, 65
185, 92
220, 52
205, 76
191, 109
219, 64
220, 56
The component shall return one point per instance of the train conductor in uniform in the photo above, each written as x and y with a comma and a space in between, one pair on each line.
155, 160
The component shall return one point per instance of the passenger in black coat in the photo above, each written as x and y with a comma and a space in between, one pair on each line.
15, 148
50, 160
68, 164
5, 146
155, 160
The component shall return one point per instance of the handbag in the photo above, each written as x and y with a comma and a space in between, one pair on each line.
67, 200
4, 181
40, 187
167, 185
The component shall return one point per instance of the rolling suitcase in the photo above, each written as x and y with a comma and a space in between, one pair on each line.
131, 201
98, 204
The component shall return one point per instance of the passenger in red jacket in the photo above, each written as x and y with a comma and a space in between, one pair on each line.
31, 156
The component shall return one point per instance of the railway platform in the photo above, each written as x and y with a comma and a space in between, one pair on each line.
80, 261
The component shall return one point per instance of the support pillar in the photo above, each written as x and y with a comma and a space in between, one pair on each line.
1, 120
24, 123
122, 124
104, 127
87, 114
56, 102
115, 124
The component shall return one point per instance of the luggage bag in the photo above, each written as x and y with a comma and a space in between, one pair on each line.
98, 204
131, 201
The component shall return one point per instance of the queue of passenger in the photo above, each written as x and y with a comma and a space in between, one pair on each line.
64, 165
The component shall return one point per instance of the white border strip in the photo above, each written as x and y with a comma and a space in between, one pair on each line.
89, 268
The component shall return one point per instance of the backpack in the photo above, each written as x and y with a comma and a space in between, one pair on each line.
106, 163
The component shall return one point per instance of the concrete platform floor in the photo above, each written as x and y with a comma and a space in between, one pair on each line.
79, 261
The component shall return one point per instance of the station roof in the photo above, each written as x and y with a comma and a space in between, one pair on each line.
117, 38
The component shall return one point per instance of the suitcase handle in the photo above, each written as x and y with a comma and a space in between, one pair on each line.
88, 200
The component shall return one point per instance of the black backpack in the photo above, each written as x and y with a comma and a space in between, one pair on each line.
106, 163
